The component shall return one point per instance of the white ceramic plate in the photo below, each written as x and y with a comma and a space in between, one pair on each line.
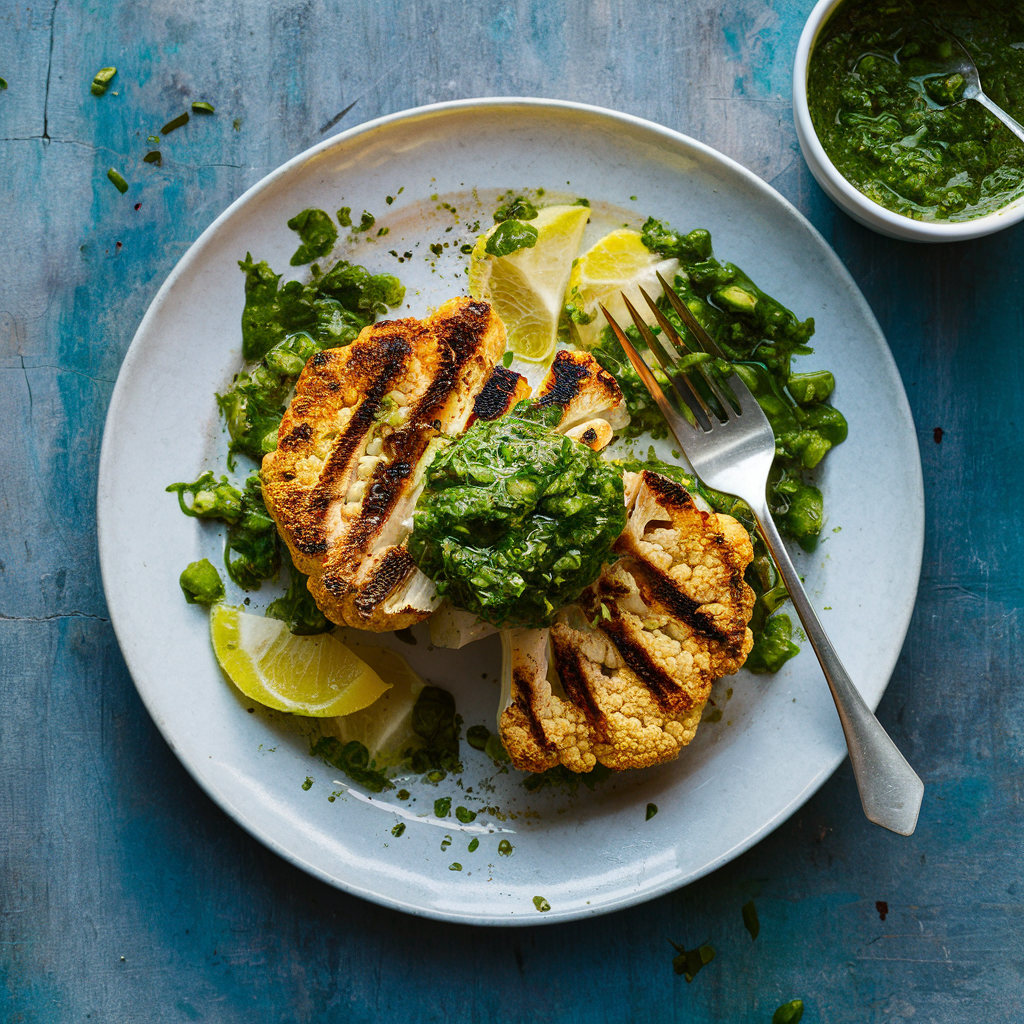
778, 738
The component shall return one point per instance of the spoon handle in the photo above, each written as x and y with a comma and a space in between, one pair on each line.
994, 108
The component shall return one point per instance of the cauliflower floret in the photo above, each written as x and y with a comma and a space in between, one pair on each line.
632, 729
637, 655
538, 728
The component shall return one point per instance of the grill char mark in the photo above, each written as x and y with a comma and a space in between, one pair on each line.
459, 338
664, 689
499, 394
377, 370
577, 688
524, 701
657, 586
388, 575
565, 377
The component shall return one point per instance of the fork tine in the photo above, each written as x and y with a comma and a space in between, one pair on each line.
665, 324
691, 396
676, 422
705, 342
701, 336
678, 342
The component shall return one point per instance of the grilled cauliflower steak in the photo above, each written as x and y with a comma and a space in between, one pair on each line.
352, 446
577, 382
637, 656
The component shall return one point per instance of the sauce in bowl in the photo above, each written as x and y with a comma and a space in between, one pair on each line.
891, 122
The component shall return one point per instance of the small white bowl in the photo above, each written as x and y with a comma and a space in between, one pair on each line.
845, 195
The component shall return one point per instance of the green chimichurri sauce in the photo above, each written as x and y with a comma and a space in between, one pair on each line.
897, 128
516, 520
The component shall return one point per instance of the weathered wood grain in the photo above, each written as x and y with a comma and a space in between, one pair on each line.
125, 894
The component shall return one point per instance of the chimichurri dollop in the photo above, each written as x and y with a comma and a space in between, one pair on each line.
516, 519
898, 130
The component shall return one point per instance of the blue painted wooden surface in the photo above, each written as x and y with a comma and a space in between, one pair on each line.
125, 894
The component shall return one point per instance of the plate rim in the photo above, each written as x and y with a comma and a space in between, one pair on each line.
106, 542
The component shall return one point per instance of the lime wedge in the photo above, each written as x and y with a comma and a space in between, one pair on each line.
385, 727
526, 287
316, 676
619, 262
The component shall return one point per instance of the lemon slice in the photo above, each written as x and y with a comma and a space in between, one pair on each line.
526, 287
316, 676
619, 262
385, 727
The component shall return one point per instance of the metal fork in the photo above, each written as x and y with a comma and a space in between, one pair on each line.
734, 455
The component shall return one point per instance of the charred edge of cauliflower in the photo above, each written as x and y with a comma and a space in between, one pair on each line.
538, 729
638, 655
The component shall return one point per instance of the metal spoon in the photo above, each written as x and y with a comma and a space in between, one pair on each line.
960, 63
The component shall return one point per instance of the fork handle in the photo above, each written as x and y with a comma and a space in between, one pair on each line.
890, 790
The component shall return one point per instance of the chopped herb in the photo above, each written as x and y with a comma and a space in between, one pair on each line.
383, 231
560, 776
389, 200
455, 867
153, 157
465, 815
101, 82
202, 107
211, 499
652, 810
582, 202
465, 249
510, 237
308, 784
251, 534
317, 232
366, 221
345, 216
789, 1013
237, 124
437, 249
442, 807
152, 138
750, 921
446, 842
252, 539
119, 183
541, 904
177, 122
398, 829
689, 961
403, 794
633, 198
436, 723
506, 359
201, 583
3, 83
477, 736
332, 309
505, 848
496, 751
577, 314
773, 647
354, 760
474, 845
519, 208
503, 482
296, 606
